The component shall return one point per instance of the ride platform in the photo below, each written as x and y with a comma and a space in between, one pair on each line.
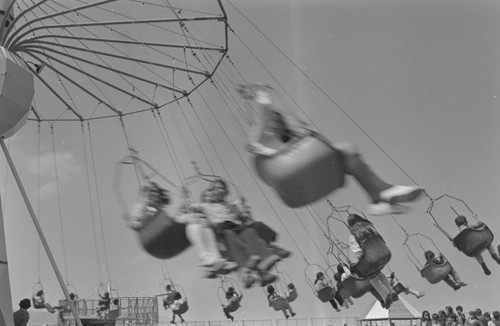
129, 311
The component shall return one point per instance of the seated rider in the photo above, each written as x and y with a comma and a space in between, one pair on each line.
200, 234
406, 289
271, 133
452, 279
243, 243
176, 306
321, 283
273, 296
233, 302
104, 303
169, 296
361, 229
344, 294
461, 222
152, 199
39, 302
291, 292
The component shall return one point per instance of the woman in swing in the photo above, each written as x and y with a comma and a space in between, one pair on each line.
361, 229
462, 224
270, 134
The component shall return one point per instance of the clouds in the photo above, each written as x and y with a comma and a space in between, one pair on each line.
64, 163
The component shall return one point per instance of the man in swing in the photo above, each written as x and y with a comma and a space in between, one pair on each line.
271, 133
462, 224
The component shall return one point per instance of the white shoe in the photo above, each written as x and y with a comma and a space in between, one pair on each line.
383, 208
401, 194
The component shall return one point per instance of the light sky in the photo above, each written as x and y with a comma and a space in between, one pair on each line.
418, 82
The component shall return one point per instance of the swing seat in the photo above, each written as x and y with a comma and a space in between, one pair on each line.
302, 172
183, 308
357, 287
279, 303
233, 306
37, 304
326, 294
292, 295
473, 241
161, 236
435, 273
376, 255
344, 293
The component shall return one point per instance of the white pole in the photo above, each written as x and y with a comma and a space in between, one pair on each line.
6, 313
40, 232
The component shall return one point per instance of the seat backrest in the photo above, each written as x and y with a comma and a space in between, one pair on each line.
326, 294
183, 308
279, 303
435, 273
375, 256
233, 306
292, 295
306, 172
473, 241
357, 287
38, 304
163, 237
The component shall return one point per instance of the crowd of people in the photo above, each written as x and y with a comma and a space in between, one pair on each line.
457, 317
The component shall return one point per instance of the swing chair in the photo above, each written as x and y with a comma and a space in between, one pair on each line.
287, 285
169, 297
432, 272
225, 284
302, 170
160, 235
184, 307
38, 296
354, 286
166, 297
472, 240
279, 303
376, 254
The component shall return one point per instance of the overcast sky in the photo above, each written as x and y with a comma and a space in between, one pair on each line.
413, 84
